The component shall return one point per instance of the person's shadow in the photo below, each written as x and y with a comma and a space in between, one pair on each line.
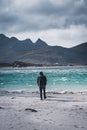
58, 99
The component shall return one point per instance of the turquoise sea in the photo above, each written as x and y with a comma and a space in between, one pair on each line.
60, 78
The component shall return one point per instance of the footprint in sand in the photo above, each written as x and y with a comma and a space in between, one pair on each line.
1, 107
60, 124
76, 126
45, 120
80, 108
11, 127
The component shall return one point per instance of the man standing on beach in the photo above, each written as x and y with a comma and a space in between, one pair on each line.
42, 81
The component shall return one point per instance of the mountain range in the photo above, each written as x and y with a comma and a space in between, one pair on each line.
14, 50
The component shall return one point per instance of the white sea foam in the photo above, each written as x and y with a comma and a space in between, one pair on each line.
63, 79
31, 93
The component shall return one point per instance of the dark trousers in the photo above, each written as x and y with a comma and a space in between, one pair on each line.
42, 90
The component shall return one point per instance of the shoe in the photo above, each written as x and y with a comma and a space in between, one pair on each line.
45, 97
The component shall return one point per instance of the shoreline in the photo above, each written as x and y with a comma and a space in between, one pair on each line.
27, 92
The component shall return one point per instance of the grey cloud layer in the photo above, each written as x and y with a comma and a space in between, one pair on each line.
42, 15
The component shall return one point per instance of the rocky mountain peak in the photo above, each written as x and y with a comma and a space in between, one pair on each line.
40, 42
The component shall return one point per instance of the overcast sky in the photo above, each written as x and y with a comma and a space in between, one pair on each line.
57, 22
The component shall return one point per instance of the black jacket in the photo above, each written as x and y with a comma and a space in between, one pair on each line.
42, 80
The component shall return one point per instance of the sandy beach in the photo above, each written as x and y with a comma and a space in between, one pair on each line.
67, 111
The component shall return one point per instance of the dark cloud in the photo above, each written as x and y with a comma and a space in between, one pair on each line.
39, 15
44, 15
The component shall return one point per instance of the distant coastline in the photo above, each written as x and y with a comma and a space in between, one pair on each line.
24, 64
